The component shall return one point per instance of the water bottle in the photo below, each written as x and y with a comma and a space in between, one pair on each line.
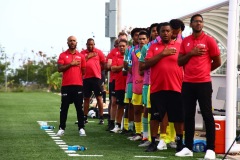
77, 148
47, 127
199, 146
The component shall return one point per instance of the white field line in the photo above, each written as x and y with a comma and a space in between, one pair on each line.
150, 157
62, 144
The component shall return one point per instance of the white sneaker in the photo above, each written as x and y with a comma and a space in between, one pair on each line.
185, 152
82, 132
116, 129
161, 145
210, 154
172, 144
60, 132
136, 138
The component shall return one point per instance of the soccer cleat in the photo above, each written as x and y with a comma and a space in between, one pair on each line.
151, 148
82, 132
60, 132
185, 152
116, 129
210, 154
172, 145
101, 121
161, 145
136, 138
145, 143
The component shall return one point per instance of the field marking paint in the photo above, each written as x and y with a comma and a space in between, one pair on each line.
78, 155
58, 140
149, 157
63, 144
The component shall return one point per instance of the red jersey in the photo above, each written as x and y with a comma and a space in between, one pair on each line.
93, 67
120, 80
198, 68
166, 74
113, 53
72, 76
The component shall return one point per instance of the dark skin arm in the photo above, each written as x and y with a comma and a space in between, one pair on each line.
155, 59
184, 58
216, 62
63, 68
116, 69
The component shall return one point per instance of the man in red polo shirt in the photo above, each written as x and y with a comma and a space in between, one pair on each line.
120, 83
199, 55
92, 79
166, 84
72, 64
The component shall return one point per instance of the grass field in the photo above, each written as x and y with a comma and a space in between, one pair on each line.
22, 138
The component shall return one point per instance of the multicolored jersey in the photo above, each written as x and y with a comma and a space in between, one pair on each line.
126, 59
137, 78
146, 78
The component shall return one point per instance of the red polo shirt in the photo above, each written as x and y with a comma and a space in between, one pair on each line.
93, 67
113, 53
72, 76
166, 74
120, 80
198, 68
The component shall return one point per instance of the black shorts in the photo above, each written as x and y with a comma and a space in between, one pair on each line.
91, 85
113, 93
169, 102
120, 97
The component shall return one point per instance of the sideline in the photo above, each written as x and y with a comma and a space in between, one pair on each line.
63, 144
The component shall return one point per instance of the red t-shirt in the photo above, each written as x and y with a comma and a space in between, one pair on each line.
113, 53
198, 68
72, 76
93, 67
120, 80
166, 74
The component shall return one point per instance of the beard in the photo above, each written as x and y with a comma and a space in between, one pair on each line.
72, 46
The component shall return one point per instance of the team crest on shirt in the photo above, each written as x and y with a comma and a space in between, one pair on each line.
156, 49
66, 56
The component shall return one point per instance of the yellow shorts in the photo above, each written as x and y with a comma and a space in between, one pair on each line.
137, 99
148, 98
126, 100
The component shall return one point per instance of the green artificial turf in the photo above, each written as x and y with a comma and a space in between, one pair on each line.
22, 138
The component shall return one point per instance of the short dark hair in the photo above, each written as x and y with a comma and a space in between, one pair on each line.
134, 31
123, 40
144, 31
196, 15
152, 26
162, 24
177, 23
90, 39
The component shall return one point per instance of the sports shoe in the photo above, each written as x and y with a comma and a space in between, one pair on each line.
146, 143
161, 145
116, 129
172, 145
82, 132
136, 138
101, 121
151, 148
60, 132
185, 152
210, 154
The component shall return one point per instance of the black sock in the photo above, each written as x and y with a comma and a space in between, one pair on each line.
153, 139
179, 139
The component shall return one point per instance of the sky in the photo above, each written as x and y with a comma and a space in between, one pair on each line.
28, 26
